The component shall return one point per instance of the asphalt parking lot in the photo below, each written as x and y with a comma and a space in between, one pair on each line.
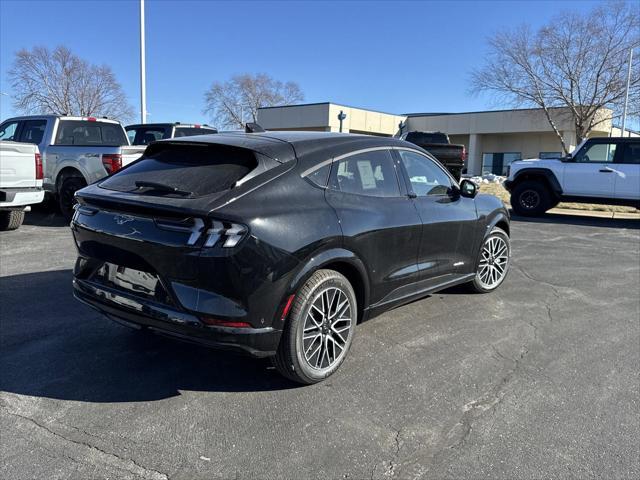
540, 379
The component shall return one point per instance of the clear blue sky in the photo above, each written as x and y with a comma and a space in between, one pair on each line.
392, 56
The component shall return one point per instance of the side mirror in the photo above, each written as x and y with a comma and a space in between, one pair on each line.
468, 188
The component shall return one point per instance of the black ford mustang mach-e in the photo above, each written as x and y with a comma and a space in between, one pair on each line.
277, 243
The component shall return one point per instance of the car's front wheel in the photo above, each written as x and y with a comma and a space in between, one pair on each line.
493, 262
530, 198
319, 330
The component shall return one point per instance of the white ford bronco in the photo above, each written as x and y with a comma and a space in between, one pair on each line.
601, 170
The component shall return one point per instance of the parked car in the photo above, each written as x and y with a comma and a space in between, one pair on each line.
75, 151
20, 182
277, 243
145, 133
438, 144
603, 170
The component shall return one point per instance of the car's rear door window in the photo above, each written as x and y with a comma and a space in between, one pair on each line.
90, 133
190, 170
369, 173
631, 153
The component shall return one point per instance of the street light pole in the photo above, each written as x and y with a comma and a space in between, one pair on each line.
341, 117
143, 73
626, 95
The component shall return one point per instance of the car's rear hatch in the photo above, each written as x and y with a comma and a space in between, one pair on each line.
142, 229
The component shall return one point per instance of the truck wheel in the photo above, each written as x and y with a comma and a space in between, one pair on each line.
319, 329
11, 219
530, 199
66, 200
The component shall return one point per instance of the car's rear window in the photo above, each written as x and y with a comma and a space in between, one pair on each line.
193, 170
146, 135
425, 137
90, 134
191, 131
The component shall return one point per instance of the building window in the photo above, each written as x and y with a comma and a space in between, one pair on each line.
497, 163
550, 155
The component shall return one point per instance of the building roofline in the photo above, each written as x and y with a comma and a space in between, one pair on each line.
332, 103
435, 114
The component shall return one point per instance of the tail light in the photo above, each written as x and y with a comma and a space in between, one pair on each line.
39, 169
226, 234
112, 162
463, 155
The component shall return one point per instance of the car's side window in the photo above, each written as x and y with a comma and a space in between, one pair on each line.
8, 131
369, 173
631, 153
425, 176
597, 153
320, 175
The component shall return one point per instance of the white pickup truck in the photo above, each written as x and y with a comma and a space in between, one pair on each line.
603, 170
20, 182
76, 151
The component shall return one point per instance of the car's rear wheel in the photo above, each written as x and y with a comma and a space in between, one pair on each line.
66, 199
319, 330
530, 198
11, 219
493, 262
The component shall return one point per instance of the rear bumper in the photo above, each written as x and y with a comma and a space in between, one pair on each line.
20, 197
136, 312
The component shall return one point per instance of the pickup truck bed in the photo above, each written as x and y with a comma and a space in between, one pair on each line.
76, 151
20, 182
437, 144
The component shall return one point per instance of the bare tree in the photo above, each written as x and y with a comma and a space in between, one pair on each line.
232, 102
577, 61
59, 82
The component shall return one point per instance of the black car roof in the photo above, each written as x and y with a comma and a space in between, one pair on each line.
308, 147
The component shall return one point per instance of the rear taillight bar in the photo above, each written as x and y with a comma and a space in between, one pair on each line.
112, 162
39, 169
226, 234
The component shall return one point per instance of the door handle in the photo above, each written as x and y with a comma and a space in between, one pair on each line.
606, 170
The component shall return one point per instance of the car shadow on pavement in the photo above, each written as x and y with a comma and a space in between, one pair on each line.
53, 346
585, 220
45, 218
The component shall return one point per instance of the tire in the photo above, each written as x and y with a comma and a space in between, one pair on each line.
11, 219
66, 200
309, 360
479, 283
530, 199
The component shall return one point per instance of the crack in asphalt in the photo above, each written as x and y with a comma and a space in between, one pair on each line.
554, 286
110, 458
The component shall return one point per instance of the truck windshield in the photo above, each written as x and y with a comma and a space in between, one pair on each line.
90, 134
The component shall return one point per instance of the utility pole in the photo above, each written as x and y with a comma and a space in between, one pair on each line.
626, 95
143, 73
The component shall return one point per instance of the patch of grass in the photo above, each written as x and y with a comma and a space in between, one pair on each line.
499, 191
